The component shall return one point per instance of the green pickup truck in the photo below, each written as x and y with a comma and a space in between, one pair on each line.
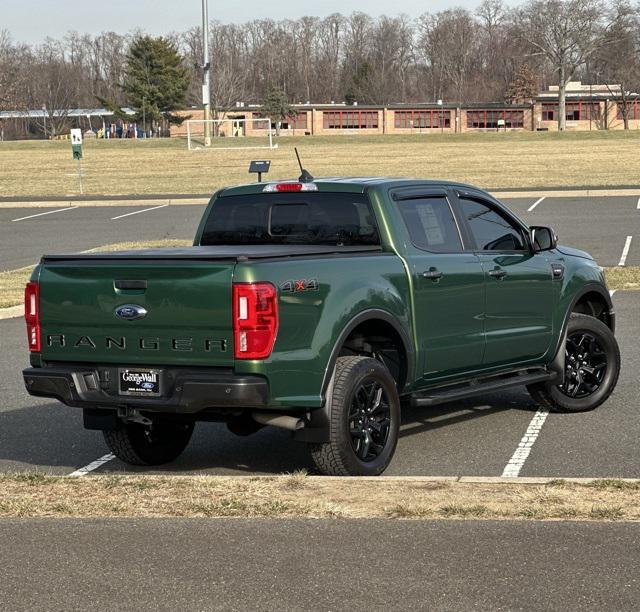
322, 307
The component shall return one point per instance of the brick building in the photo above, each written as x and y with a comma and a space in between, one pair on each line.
588, 107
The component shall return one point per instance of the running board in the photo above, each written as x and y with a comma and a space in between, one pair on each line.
441, 395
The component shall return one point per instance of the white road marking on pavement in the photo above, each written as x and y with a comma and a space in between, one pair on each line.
137, 212
50, 212
94, 465
535, 204
611, 292
625, 251
512, 469
638, 205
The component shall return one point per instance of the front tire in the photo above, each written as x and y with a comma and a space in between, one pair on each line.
592, 367
138, 444
365, 420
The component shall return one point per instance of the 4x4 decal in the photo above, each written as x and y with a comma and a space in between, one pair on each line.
295, 286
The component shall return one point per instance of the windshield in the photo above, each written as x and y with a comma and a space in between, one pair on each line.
340, 219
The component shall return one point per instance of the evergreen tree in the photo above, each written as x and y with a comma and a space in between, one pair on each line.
155, 82
277, 107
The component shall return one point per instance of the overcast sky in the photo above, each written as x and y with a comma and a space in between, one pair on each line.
33, 20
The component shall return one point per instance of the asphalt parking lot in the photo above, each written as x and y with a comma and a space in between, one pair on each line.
295, 564
472, 438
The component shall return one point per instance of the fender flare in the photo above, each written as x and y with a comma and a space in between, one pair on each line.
317, 426
558, 360
368, 315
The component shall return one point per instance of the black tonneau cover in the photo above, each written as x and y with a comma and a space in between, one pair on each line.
215, 253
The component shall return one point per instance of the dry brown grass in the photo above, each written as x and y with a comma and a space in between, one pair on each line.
297, 495
622, 277
532, 159
12, 282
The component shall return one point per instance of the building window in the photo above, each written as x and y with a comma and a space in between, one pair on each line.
492, 119
297, 122
350, 120
432, 118
574, 111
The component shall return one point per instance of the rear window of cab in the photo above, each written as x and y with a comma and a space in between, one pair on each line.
340, 219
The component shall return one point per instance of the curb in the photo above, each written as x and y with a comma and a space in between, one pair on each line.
573, 193
110, 202
499, 480
12, 313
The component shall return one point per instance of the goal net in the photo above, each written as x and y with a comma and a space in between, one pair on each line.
230, 134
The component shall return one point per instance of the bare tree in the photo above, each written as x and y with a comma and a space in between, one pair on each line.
567, 33
619, 63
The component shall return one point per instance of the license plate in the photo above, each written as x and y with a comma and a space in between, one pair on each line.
139, 382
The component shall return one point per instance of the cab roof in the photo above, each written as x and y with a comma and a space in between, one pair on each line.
344, 184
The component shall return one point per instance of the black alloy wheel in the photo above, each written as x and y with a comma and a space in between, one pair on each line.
591, 368
369, 420
585, 365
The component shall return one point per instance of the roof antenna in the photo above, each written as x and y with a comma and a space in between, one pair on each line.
305, 177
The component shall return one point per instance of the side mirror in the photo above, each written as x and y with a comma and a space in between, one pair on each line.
543, 238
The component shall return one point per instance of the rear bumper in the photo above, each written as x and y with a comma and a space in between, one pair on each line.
186, 391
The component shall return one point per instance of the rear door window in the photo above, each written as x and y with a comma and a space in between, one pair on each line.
431, 224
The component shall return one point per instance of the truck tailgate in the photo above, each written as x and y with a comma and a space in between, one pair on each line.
188, 318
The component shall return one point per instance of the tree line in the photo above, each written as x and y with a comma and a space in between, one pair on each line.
460, 56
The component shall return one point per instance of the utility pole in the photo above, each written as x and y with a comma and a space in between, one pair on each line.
206, 77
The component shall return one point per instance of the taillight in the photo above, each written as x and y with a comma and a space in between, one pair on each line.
32, 315
255, 319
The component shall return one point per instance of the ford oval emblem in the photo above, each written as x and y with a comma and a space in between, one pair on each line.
131, 312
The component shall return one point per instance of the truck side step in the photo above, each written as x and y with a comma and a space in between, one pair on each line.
432, 397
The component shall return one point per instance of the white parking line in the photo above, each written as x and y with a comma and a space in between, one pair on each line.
512, 469
94, 465
49, 212
625, 251
638, 205
137, 212
535, 204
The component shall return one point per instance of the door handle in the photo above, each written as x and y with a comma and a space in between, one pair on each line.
498, 273
433, 273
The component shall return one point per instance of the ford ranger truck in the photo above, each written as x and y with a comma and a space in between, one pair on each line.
322, 308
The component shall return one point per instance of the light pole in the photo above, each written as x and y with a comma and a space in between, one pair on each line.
206, 82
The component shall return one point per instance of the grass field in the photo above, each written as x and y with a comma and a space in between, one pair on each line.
298, 495
525, 159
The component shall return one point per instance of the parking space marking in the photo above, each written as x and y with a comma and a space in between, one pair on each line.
535, 204
49, 212
625, 251
94, 465
137, 212
515, 464
638, 205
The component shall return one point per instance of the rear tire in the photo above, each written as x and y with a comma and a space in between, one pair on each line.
364, 422
138, 444
592, 367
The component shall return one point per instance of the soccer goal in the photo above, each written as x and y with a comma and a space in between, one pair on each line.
230, 134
